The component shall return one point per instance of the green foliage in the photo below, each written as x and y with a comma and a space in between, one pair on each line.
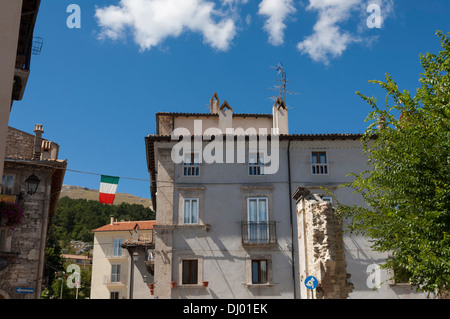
407, 191
59, 288
76, 218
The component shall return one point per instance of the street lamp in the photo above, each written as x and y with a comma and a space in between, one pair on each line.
32, 184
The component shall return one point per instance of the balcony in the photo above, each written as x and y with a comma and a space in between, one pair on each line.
113, 281
191, 170
259, 233
319, 169
115, 254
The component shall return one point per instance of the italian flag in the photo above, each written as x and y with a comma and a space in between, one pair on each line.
108, 188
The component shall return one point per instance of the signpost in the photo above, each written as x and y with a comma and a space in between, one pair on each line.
311, 283
24, 290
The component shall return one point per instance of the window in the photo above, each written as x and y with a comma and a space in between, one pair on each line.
258, 219
8, 184
2, 239
190, 211
191, 165
255, 164
115, 273
259, 271
328, 199
319, 163
117, 247
190, 272
114, 295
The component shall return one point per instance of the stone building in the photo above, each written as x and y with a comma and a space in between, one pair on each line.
226, 223
17, 21
30, 161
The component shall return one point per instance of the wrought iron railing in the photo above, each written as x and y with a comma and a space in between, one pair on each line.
258, 233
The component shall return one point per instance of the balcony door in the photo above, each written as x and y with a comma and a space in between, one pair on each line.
258, 220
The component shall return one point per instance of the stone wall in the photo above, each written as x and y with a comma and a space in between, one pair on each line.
27, 241
19, 144
322, 239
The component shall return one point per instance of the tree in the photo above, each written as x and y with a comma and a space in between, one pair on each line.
407, 189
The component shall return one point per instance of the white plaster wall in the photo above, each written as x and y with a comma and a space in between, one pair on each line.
10, 11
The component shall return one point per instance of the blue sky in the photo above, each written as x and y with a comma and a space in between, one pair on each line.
96, 88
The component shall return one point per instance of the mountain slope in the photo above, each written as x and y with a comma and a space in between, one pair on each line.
77, 192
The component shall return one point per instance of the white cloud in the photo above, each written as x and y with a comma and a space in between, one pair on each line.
329, 40
277, 12
152, 21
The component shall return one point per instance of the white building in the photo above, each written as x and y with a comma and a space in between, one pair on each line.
122, 263
228, 229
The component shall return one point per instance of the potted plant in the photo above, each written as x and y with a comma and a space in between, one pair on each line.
173, 284
152, 288
205, 284
11, 214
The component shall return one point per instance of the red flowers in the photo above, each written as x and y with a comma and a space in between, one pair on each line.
11, 214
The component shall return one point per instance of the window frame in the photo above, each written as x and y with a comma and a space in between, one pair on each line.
262, 276
117, 248
191, 271
319, 168
116, 273
114, 293
192, 167
253, 257
8, 189
256, 166
190, 200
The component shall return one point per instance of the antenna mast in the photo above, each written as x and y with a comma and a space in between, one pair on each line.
281, 88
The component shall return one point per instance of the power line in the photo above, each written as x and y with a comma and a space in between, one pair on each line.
84, 172
121, 177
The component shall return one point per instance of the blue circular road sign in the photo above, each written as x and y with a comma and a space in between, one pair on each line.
311, 282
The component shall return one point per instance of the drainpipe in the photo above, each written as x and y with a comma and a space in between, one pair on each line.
291, 217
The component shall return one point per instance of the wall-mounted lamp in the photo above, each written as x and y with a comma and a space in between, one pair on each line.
135, 257
32, 184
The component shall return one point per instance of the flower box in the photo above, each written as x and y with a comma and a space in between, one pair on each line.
11, 214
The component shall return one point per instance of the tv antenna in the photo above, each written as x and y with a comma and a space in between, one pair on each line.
281, 88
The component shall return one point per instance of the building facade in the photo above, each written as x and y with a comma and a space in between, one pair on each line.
26, 210
122, 261
17, 21
226, 221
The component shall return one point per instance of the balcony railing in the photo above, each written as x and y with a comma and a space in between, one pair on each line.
255, 169
117, 253
259, 233
191, 170
114, 280
319, 169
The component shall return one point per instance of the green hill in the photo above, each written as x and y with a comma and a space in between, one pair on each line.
77, 192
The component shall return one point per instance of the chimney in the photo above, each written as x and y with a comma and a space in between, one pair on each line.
112, 220
225, 117
280, 117
214, 104
38, 130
